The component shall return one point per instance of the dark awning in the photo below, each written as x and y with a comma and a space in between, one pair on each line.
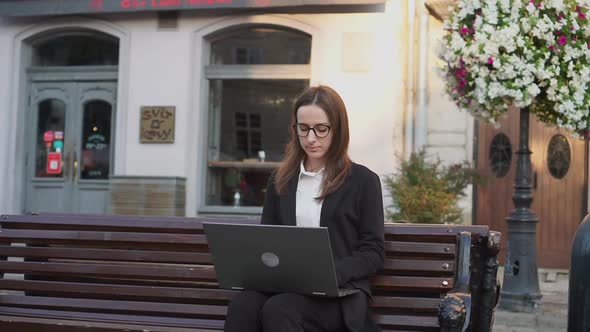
66, 7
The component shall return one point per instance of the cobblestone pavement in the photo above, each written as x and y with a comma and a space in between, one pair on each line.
551, 315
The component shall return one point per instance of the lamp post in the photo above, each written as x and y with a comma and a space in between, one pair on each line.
520, 290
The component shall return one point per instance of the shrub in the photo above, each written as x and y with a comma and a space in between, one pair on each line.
425, 191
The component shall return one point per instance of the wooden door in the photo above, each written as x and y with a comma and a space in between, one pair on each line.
559, 179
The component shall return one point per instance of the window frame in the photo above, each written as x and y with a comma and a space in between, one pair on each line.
212, 121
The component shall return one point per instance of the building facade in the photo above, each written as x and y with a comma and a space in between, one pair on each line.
182, 107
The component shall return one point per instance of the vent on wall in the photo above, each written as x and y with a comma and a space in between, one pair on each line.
168, 20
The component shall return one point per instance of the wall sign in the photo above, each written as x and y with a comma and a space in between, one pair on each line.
157, 124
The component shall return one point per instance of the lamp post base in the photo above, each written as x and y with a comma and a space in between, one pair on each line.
520, 302
520, 290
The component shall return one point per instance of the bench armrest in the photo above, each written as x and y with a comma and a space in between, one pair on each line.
490, 285
455, 309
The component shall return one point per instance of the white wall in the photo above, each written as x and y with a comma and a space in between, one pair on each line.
5, 109
159, 75
360, 55
450, 131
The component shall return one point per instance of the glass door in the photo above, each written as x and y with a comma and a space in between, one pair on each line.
70, 157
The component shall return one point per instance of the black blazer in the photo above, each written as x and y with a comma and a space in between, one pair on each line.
354, 217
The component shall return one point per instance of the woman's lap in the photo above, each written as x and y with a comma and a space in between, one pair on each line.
255, 311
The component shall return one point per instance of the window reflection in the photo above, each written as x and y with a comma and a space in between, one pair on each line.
249, 138
77, 50
96, 140
249, 118
262, 45
51, 126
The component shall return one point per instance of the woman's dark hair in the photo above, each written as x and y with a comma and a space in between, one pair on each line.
338, 163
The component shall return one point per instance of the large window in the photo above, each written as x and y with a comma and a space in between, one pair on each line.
254, 77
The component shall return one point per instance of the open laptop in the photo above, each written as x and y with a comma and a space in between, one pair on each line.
274, 259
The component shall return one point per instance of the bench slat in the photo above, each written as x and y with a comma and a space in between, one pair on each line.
414, 266
193, 295
15, 323
123, 291
124, 319
398, 248
182, 224
425, 230
120, 307
166, 257
146, 256
406, 303
418, 323
204, 273
147, 224
188, 273
102, 238
419, 284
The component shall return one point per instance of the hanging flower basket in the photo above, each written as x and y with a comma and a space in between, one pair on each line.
522, 53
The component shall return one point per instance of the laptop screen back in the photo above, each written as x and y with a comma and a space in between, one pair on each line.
272, 258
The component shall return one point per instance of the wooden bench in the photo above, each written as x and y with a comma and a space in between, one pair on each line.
133, 273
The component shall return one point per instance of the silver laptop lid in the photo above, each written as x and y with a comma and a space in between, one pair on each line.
274, 259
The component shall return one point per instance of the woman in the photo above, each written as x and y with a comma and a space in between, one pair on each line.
318, 185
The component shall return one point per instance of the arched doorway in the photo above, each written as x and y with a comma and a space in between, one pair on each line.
70, 121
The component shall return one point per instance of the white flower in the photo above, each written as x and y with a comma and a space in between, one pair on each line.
531, 8
533, 90
457, 42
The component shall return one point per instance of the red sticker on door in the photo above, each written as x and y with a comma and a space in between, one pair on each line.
48, 136
53, 163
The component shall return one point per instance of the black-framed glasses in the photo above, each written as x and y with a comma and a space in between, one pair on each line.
320, 130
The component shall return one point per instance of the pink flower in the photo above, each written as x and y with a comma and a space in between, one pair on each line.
464, 30
562, 40
581, 15
588, 44
490, 61
557, 33
462, 83
461, 72
551, 47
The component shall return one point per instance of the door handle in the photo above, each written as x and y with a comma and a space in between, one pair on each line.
75, 164
66, 166
535, 180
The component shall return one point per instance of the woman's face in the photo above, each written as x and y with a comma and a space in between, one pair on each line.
316, 142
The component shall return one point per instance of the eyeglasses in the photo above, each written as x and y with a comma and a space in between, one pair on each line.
320, 131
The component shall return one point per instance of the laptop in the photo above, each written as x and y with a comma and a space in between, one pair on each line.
274, 259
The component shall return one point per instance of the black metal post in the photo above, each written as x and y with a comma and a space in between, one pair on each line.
520, 290
578, 317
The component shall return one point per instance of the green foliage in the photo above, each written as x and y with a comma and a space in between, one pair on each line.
425, 191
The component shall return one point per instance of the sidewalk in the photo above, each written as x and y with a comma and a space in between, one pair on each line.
551, 316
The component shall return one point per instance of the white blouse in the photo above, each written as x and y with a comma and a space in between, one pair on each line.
308, 210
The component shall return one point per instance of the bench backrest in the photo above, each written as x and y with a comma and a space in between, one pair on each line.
157, 270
